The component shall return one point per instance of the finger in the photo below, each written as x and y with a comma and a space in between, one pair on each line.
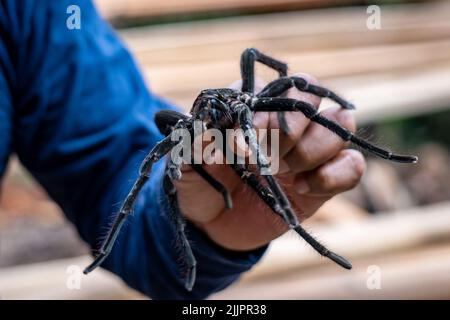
340, 174
213, 162
318, 144
199, 200
296, 121
259, 84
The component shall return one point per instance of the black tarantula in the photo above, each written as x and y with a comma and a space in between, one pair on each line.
227, 108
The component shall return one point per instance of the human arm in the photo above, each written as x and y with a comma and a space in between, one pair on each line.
82, 121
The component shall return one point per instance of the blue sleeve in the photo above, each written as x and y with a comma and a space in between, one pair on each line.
81, 122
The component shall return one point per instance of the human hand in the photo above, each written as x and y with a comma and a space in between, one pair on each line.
313, 168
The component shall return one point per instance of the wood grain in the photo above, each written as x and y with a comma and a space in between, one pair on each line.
143, 8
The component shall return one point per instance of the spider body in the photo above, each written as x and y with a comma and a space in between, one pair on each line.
215, 107
226, 108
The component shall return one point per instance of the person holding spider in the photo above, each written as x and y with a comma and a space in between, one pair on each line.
76, 111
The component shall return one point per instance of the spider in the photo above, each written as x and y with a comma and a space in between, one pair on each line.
227, 108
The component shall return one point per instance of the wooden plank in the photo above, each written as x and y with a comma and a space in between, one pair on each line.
149, 53
286, 33
49, 281
421, 87
369, 241
113, 9
396, 95
192, 77
401, 69
421, 273
373, 236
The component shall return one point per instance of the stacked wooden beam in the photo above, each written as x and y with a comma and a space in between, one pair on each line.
404, 68
411, 249
134, 9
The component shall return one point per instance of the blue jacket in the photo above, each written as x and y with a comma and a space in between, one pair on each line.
75, 109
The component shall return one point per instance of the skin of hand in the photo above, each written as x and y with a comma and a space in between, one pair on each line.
314, 166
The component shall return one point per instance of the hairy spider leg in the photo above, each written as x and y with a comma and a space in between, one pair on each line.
288, 214
179, 223
245, 175
160, 150
165, 120
286, 104
268, 197
295, 225
172, 173
248, 58
245, 119
245, 122
215, 184
262, 191
281, 85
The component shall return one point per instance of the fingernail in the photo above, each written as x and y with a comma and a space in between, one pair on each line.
302, 186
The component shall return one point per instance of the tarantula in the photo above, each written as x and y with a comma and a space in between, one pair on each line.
227, 108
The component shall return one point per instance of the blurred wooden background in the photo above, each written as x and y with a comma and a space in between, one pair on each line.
401, 70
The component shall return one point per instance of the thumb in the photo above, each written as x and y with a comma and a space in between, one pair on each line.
198, 199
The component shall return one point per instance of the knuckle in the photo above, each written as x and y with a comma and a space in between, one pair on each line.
305, 157
296, 128
330, 181
304, 96
343, 117
358, 163
311, 79
356, 167
326, 180
346, 119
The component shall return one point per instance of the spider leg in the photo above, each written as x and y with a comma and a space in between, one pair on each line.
173, 172
215, 184
245, 119
161, 149
280, 197
180, 224
296, 226
285, 104
248, 58
281, 85
245, 122
263, 192
165, 120
267, 196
